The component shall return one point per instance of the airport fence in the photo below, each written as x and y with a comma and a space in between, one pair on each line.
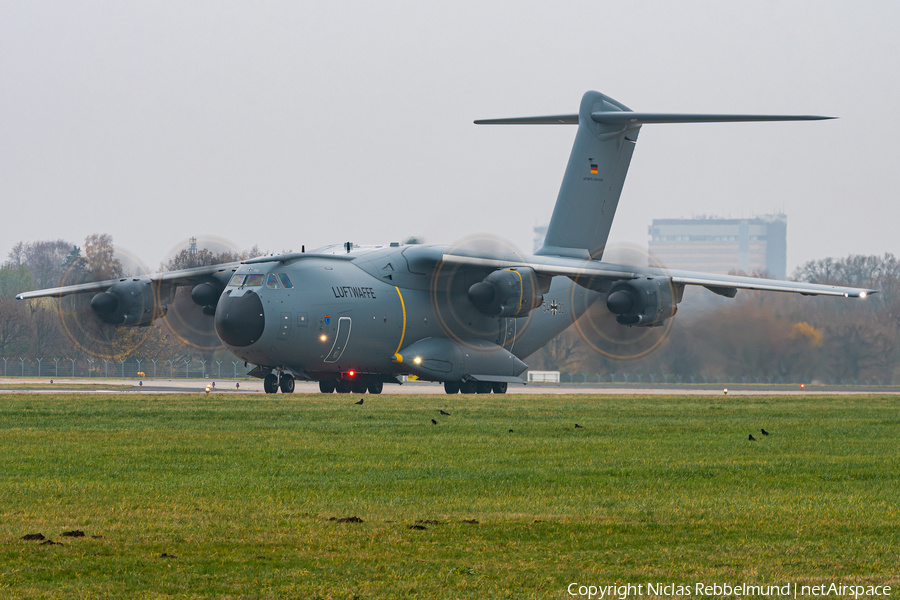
130, 368
140, 368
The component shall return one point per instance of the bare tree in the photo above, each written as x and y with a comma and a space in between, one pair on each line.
45, 260
13, 326
45, 332
205, 257
16, 256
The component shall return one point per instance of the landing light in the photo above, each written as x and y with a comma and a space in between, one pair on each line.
418, 360
862, 294
323, 337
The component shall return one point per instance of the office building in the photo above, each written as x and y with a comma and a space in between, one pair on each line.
715, 245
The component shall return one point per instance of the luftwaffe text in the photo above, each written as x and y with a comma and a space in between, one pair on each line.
347, 291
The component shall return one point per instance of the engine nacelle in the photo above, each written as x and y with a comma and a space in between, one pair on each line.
128, 302
207, 295
645, 302
508, 293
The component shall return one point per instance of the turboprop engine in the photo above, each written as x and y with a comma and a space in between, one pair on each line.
508, 293
645, 302
128, 302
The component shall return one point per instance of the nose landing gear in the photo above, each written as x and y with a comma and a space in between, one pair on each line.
282, 380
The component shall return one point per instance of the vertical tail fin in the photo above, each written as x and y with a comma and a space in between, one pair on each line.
593, 182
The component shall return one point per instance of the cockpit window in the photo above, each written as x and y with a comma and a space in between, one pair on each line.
254, 279
285, 281
237, 280
272, 282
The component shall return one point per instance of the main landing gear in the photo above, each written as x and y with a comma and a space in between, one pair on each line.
345, 386
475, 387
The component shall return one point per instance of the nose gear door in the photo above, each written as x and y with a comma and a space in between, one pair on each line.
340, 340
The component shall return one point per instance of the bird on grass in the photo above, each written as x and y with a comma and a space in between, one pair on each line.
361, 400
577, 426
510, 430
751, 438
433, 422
764, 432
446, 414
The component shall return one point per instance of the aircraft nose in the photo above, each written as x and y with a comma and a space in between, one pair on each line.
240, 320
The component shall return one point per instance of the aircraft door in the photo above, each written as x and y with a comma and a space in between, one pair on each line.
340, 340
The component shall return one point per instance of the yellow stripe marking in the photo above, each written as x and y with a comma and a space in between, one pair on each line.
521, 290
403, 331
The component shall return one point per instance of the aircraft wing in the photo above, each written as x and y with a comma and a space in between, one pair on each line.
582, 270
181, 277
770, 285
547, 265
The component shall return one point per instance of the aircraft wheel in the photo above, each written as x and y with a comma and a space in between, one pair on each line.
359, 387
499, 387
270, 383
451, 387
287, 383
342, 387
483, 387
326, 386
375, 387
467, 387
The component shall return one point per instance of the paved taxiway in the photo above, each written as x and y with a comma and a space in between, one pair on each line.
229, 386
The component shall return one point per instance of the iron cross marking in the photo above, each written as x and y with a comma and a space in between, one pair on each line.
554, 307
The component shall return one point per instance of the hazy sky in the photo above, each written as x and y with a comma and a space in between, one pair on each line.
292, 123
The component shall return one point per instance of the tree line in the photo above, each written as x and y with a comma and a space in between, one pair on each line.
757, 336
66, 327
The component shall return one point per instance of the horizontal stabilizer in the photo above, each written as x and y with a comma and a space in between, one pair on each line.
636, 118
552, 120
626, 118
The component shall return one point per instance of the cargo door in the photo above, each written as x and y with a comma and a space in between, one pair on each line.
341, 338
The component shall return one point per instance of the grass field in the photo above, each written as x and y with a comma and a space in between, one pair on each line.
238, 492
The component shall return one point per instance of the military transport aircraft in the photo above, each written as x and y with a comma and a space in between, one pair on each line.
356, 317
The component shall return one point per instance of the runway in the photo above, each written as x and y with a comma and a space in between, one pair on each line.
231, 386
